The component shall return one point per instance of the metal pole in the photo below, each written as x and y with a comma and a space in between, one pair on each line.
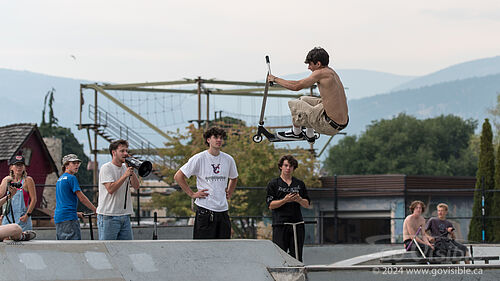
295, 241
81, 108
90, 226
96, 124
335, 211
482, 209
208, 108
198, 82
155, 231
138, 215
405, 195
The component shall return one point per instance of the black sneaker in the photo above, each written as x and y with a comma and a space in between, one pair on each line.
289, 135
27, 235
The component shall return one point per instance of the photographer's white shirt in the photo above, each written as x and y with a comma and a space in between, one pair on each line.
112, 204
212, 173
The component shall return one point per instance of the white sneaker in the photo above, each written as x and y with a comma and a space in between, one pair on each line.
27, 235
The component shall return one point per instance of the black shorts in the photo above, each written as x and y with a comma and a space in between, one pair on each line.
428, 252
211, 225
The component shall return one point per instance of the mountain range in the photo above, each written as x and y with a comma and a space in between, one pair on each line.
467, 89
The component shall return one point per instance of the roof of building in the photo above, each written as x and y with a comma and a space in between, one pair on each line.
392, 185
13, 137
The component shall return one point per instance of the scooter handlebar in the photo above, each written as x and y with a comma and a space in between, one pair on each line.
269, 69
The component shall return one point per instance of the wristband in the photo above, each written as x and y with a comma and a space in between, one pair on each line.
28, 214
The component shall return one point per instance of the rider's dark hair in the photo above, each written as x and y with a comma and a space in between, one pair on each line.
318, 54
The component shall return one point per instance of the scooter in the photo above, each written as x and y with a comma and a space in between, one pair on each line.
261, 130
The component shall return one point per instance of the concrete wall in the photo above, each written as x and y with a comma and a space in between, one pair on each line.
140, 233
205, 260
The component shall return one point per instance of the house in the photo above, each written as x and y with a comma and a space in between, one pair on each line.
372, 208
25, 139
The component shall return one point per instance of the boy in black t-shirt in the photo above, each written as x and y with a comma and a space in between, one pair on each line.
285, 195
442, 231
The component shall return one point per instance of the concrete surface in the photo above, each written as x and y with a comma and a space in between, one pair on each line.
360, 262
449, 272
220, 260
328, 254
147, 260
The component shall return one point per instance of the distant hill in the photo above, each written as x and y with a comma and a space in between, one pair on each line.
23, 93
363, 83
467, 98
470, 69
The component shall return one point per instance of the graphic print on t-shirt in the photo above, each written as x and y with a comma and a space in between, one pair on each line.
216, 168
291, 189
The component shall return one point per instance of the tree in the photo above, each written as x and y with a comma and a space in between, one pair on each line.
484, 178
257, 165
52, 119
70, 144
406, 145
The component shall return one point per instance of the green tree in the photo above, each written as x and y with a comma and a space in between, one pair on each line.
484, 178
406, 145
257, 165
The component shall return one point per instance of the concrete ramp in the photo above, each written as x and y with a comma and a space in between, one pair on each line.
148, 260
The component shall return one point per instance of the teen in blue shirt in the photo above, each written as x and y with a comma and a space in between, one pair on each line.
68, 193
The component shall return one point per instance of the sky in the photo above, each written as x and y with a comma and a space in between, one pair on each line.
136, 41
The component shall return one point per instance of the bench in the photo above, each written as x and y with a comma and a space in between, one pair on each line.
414, 258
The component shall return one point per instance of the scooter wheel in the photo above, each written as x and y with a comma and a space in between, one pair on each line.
257, 138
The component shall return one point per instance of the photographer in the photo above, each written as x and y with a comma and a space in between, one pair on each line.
24, 201
115, 178
13, 231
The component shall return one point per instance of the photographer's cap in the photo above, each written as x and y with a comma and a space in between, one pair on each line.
70, 158
17, 159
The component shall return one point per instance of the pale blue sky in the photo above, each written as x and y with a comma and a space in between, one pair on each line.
135, 41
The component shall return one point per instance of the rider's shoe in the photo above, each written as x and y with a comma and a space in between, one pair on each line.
289, 135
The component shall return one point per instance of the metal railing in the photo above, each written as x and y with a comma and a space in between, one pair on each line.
116, 129
324, 228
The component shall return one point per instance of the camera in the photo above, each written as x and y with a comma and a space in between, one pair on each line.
16, 184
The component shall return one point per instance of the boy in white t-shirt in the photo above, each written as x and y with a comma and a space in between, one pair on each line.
213, 169
115, 205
